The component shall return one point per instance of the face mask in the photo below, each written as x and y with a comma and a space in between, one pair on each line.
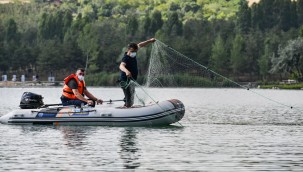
80, 77
133, 54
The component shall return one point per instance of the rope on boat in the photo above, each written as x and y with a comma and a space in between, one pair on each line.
141, 87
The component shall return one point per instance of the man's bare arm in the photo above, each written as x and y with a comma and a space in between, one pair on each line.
79, 96
144, 43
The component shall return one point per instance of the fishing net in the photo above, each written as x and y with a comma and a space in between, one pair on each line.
169, 68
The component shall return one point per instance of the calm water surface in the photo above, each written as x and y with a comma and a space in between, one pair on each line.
223, 130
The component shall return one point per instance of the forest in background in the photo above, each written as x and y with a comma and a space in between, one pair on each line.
262, 42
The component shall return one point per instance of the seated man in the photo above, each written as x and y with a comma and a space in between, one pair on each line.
74, 90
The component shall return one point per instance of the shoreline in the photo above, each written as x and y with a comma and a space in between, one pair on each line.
41, 84
297, 86
18, 84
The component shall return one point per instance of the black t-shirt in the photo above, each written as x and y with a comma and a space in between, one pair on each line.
72, 84
131, 65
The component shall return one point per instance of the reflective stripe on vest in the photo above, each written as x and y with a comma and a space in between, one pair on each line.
67, 92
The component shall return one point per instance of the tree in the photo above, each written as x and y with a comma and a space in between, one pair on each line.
57, 26
256, 16
146, 26
50, 56
269, 18
67, 21
43, 26
263, 63
253, 48
285, 15
294, 14
300, 12
173, 26
156, 22
4, 62
218, 59
244, 17
289, 59
88, 41
236, 54
132, 26
11, 33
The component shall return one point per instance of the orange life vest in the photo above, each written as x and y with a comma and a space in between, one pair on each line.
67, 92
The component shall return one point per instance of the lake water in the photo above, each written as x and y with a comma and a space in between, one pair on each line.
222, 130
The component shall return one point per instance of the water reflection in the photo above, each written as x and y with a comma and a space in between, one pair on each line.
129, 153
31, 129
75, 136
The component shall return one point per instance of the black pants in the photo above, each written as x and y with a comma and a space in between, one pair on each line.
129, 93
67, 102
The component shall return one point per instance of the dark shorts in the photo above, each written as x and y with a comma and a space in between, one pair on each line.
129, 93
67, 102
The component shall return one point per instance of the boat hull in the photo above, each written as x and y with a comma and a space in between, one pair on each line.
160, 114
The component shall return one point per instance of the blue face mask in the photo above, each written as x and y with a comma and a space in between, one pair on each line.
133, 54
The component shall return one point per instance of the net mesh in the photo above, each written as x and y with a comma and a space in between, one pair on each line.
169, 68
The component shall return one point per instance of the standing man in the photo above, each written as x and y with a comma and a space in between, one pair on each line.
74, 90
129, 70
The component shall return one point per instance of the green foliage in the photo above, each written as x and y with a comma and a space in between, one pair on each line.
88, 41
219, 60
132, 26
219, 9
186, 80
50, 58
263, 62
290, 58
156, 23
244, 17
300, 12
173, 26
43, 37
237, 55
11, 31
298, 86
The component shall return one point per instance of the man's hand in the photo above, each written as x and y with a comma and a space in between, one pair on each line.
128, 74
99, 101
152, 40
90, 102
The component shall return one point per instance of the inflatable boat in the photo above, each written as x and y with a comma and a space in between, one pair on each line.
33, 111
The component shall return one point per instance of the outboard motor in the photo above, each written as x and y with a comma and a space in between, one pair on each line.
31, 101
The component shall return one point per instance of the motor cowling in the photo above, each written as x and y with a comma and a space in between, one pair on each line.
31, 101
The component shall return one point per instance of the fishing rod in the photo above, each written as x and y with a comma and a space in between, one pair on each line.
110, 101
47, 105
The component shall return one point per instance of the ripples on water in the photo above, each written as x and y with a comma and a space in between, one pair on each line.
223, 130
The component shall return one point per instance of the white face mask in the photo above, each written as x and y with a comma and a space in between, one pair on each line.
80, 77
133, 54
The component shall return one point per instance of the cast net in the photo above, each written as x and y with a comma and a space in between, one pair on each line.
170, 68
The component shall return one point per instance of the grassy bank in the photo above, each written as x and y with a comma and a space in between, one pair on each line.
297, 86
178, 80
